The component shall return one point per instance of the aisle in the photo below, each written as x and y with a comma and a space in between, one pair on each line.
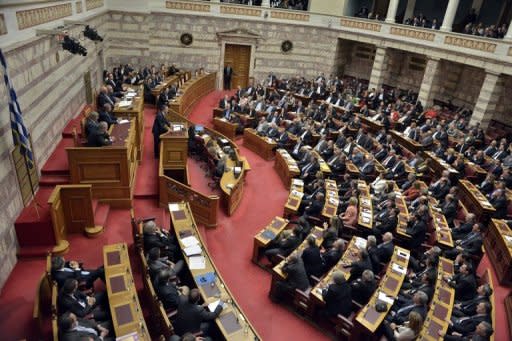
230, 244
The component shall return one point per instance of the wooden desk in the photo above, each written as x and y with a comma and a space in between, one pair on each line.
192, 91
475, 201
324, 167
124, 304
263, 146
403, 217
174, 146
349, 256
232, 183
389, 286
232, 322
167, 83
134, 111
225, 127
365, 218
291, 207
439, 165
407, 142
110, 169
498, 245
441, 307
442, 230
371, 125
286, 167
267, 235
331, 199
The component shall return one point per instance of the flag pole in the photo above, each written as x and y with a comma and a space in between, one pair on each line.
36, 204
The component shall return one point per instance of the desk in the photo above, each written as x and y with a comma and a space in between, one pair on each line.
365, 218
331, 199
349, 256
498, 245
291, 207
174, 147
286, 167
443, 231
225, 127
266, 235
389, 286
232, 322
407, 142
167, 83
403, 217
232, 184
134, 111
438, 165
263, 146
475, 201
124, 305
324, 167
192, 91
441, 307
110, 169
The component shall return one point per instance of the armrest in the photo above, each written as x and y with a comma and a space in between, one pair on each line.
357, 305
280, 257
315, 279
172, 313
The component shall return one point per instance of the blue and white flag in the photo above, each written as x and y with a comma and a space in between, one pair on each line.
20, 133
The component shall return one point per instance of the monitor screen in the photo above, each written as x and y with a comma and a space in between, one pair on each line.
199, 128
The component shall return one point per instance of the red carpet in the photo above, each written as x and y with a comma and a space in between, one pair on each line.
230, 245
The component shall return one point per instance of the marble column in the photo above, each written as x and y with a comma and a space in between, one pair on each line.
392, 8
430, 83
409, 10
265, 3
488, 98
508, 36
449, 15
380, 64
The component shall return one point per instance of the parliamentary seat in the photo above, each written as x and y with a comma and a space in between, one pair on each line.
343, 326
302, 301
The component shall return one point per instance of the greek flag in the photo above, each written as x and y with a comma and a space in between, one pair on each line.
20, 134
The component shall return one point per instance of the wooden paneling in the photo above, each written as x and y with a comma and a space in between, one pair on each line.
193, 90
23, 175
239, 56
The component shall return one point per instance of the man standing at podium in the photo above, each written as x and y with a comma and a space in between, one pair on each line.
228, 73
160, 126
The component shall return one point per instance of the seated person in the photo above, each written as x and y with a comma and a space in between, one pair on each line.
460, 327
296, 278
461, 230
157, 264
309, 170
364, 287
470, 244
383, 251
159, 238
71, 300
418, 305
316, 206
350, 216
189, 337
62, 271
337, 296
417, 229
284, 245
72, 328
332, 255
105, 115
358, 266
193, 317
468, 307
387, 224
100, 137
408, 331
463, 282
313, 262
168, 291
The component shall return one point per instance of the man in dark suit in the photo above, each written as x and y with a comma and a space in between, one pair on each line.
309, 170
167, 290
100, 137
282, 138
91, 123
440, 189
337, 296
156, 264
364, 287
463, 229
224, 102
105, 115
62, 271
333, 254
470, 244
387, 224
160, 126
483, 332
72, 328
467, 325
296, 278
104, 98
193, 317
463, 282
337, 162
500, 203
419, 305
449, 208
316, 206
155, 237
384, 250
360, 265
368, 166
468, 308
70, 299
163, 98
312, 259
417, 229
228, 73
284, 245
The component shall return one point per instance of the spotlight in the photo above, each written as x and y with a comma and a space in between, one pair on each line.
73, 46
92, 34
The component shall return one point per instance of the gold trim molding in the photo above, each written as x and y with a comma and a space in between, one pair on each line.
78, 6
92, 4
472, 44
187, 6
416, 34
240, 11
3, 27
289, 16
38, 16
362, 25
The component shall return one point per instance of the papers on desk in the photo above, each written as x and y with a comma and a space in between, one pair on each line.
192, 250
189, 241
365, 201
197, 263
223, 119
212, 306
223, 141
366, 216
385, 298
403, 254
123, 122
399, 269
508, 239
333, 201
125, 104
295, 193
360, 242
174, 207
237, 170
297, 182
177, 127
131, 94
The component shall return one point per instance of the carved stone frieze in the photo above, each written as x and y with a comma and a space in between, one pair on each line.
416, 34
187, 6
472, 44
42, 15
362, 25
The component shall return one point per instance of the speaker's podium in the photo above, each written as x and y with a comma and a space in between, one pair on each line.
174, 152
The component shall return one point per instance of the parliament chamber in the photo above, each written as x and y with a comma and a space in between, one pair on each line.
256, 170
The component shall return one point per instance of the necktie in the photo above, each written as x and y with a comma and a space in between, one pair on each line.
405, 309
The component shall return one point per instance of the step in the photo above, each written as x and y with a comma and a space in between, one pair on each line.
54, 180
74, 123
101, 214
57, 163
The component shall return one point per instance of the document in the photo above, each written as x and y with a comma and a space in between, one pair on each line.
123, 122
189, 241
399, 269
360, 242
192, 250
385, 298
297, 182
125, 103
196, 263
212, 306
174, 207
403, 254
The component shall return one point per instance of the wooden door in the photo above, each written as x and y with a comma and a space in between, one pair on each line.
239, 57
